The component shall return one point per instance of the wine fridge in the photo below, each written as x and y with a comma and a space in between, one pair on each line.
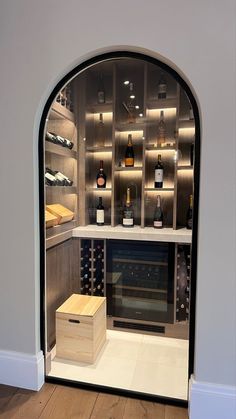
140, 280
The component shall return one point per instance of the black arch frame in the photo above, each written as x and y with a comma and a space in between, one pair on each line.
96, 59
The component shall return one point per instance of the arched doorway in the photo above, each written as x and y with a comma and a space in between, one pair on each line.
121, 127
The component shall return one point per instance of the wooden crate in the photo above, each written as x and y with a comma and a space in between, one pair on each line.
62, 213
50, 219
81, 328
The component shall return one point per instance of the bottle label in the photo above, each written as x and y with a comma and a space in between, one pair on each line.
157, 223
162, 88
100, 216
128, 221
129, 161
101, 181
158, 175
49, 176
101, 96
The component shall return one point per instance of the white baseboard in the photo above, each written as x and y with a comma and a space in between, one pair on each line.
211, 401
22, 370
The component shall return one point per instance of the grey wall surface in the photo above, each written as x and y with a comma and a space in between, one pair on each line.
40, 41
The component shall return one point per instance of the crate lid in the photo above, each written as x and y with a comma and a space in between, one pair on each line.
83, 305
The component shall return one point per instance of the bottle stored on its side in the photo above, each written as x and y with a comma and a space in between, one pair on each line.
189, 217
128, 213
50, 179
101, 177
129, 154
161, 130
158, 214
101, 91
162, 87
159, 173
100, 212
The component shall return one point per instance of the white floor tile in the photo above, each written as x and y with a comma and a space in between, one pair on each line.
160, 379
145, 363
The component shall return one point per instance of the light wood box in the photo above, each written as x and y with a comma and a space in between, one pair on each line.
81, 328
50, 219
63, 214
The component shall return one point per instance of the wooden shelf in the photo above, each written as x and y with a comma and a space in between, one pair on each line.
159, 189
65, 189
130, 169
100, 107
152, 147
59, 150
61, 112
95, 189
59, 233
186, 123
137, 126
185, 167
104, 149
162, 103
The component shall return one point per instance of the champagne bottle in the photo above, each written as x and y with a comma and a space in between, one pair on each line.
101, 177
158, 214
129, 154
100, 131
159, 173
101, 91
161, 130
128, 213
100, 212
189, 217
162, 88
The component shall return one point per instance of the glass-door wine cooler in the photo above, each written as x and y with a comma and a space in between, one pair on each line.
140, 280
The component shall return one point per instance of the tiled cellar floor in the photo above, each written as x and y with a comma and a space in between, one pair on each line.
132, 361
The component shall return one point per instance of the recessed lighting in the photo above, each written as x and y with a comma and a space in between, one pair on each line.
126, 82
132, 97
137, 107
141, 114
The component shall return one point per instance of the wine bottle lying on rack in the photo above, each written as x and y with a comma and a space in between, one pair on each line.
57, 139
61, 179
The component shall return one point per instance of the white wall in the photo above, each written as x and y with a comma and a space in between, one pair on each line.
40, 41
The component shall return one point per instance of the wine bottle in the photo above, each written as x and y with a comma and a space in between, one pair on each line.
158, 214
50, 180
65, 179
129, 154
101, 91
161, 130
189, 217
161, 90
51, 137
101, 177
128, 214
100, 134
130, 104
100, 212
159, 173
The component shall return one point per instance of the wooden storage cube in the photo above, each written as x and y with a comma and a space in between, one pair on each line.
63, 214
50, 219
81, 328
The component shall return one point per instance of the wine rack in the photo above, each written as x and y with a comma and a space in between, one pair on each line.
183, 282
92, 267
103, 130
61, 156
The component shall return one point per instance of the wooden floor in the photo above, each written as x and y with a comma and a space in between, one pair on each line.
61, 402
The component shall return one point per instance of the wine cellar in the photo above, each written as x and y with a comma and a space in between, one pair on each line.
119, 150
